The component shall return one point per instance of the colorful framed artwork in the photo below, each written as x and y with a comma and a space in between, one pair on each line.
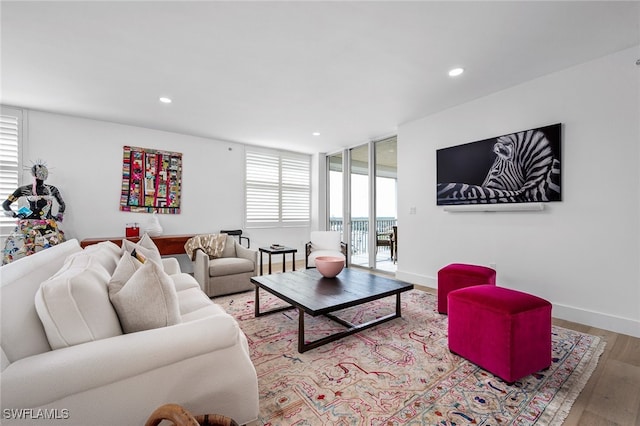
151, 180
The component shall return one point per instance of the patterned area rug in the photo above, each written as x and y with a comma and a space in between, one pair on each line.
400, 372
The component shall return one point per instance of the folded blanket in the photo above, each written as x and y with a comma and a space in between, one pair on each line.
211, 244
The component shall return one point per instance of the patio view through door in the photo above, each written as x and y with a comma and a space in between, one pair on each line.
368, 191
336, 196
386, 190
359, 202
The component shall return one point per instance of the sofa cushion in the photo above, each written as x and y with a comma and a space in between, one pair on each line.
194, 304
73, 304
229, 266
183, 281
106, 253
145, 246
147, 300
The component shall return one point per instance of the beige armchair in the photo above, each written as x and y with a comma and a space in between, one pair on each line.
229, 273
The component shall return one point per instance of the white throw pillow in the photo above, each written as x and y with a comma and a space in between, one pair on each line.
127, 266
73, 305
147, 300
145, 246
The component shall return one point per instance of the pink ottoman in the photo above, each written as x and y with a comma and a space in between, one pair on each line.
459, 275
506, 332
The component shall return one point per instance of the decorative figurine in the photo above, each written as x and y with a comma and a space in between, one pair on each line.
36, 228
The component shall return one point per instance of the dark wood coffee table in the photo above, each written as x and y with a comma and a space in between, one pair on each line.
311, 293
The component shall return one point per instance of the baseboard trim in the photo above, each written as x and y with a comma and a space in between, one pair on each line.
601, 320
431, 282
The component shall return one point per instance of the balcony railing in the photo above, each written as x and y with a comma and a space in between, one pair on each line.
360, 231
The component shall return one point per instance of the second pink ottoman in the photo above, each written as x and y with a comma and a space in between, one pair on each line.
460, 275
506, 332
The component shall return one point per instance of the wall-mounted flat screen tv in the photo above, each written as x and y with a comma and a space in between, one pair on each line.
519, 167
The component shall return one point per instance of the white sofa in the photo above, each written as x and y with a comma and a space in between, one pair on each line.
201, 363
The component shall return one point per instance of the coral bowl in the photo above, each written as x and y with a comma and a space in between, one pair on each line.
329, 266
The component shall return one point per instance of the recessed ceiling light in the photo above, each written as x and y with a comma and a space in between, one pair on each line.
456, 72
316, 133
165, 100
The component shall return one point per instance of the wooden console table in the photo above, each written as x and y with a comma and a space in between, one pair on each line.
167, 244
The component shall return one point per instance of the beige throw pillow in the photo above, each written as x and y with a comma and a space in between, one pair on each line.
145, 246
147, 300
125, 269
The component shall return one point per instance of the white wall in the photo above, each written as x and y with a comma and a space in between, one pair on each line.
583, 253
85, 162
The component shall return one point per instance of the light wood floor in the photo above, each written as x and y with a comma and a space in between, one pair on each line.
612, 394
611, 397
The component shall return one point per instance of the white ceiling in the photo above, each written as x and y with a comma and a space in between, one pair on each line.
271, 73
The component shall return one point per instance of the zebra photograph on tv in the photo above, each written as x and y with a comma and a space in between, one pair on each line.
521, 167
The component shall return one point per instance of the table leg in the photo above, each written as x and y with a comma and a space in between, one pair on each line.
269, 263
294, 260
301, 346
284, 261
257, 302
256, 308
260, 263
350, 328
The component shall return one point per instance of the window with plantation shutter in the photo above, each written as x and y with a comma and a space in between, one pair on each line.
278, 188
10, 138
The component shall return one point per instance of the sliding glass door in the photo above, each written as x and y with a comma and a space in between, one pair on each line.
386, 190
335, 198
359, 197
369, 190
